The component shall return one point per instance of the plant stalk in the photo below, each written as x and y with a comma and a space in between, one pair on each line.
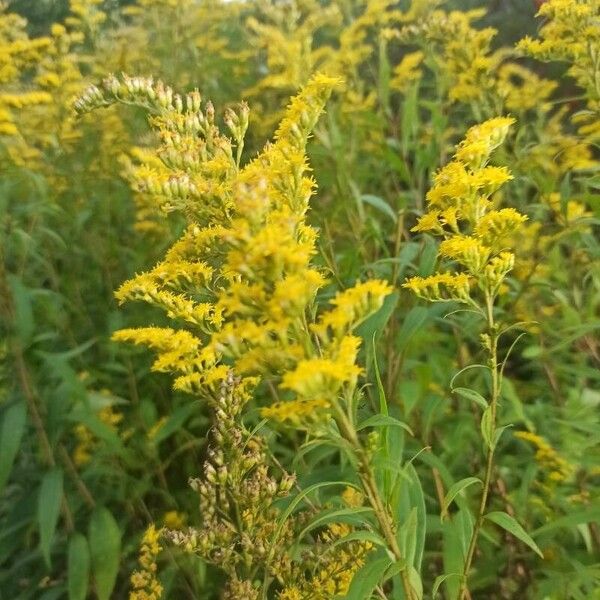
489, 467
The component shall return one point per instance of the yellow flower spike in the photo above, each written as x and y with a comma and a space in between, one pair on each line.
481, 140
407, 71
440, 287
297, 412
497, 269
430, 221
496, 225
144, 583
351, 307
304, 110
468, 251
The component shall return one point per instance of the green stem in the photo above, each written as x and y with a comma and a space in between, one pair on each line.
371, 490
489, 467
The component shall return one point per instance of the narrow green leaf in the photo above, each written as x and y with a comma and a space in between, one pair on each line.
174, 423
384, 421
383, 412
346, 515
415, 582
487, 427
471, 395
413, 322
507, 522
407, 536
78, 570
49, 499
574, 518
11, 433
297, 499
368, 576
24, 318
105, 551
456, 489
381, 205
438, 582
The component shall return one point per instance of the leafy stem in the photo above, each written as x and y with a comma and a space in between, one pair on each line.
492, 346
373, 496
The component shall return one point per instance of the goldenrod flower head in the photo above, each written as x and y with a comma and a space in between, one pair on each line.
297, 412
440, 287
481, 140
571, 33
407, 71
144, 583
316, 377
468, 251
351, 307
430, 221
494, 226
497, 269
556, 468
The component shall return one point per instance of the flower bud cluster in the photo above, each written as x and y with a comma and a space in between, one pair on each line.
237, 496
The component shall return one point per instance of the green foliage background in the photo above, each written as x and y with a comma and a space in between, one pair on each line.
70, 235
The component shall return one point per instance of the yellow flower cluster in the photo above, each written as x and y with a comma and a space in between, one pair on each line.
461, 53
17, 54
240, 278
554, 471
571, 33
462, 211
333, 571
86, 441
144, 583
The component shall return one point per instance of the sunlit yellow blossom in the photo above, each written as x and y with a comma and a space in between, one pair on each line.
461, 199
144, 583
494, 226
407, 71
351, 307
468, 251
571, 33
442, 286
316, 377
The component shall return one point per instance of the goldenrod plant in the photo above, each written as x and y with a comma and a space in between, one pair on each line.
360, 239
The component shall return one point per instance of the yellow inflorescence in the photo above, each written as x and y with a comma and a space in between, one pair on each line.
461, 210
241, 277
571, 33
333, 572
144, 583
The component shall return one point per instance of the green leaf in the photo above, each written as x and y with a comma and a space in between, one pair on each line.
368, 576
507, 522
471, 395
23, 307
487, 427
297, 499
78, 569
100, 429
346, 515
384, 421
49, 499
438, 582
174, 422
11, 432
574, 518
105, 551
413, 322
375, 323
415, 582
407, 536
381, 205
456, 489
